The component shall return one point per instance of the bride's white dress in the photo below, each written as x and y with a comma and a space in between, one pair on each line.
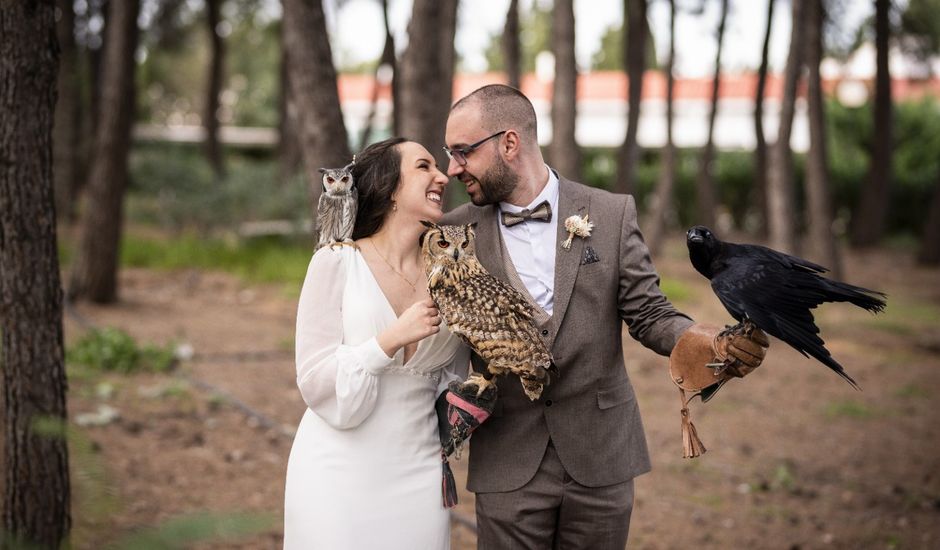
365, 468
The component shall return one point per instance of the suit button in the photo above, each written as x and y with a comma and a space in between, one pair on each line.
544, 332
548, 403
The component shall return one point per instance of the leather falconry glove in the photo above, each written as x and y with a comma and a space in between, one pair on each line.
704, 359
459, 413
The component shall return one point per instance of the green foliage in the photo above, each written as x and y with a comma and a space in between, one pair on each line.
264, 260
535, 36
111, 349
609, 57
173, 187
185, 531
920, 28
675, 290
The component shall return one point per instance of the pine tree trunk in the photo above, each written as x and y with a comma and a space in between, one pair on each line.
214, 88
759, 192
427, 73
661, 208
94, 270
323, 138
705, 192
67, 129
511, 49
929, 253
35, 505
635, 57
868, 222
386, 62
781, 203
288, 143
564, 153
821, 242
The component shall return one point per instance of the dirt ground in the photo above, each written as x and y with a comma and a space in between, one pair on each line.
797, 458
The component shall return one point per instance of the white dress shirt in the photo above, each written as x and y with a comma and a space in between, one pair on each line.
531, 246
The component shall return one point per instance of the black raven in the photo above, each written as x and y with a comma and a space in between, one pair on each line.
775, 291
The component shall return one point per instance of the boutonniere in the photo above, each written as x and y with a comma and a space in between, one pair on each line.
577, 226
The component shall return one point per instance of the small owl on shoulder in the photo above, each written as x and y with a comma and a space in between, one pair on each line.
336, 210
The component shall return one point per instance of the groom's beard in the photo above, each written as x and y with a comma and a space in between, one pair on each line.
496, 184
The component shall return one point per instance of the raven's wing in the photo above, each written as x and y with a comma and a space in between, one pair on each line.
776, 292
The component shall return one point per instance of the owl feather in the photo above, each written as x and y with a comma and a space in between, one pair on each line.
491, 316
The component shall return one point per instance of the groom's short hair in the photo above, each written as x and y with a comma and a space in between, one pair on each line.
502, 107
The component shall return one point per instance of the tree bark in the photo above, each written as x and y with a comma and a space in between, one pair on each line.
780, 200
67, 128
214, 88
511, 49
821, 242
635, 57
94, 271
661, 209
36, 496
323, 138
564, 153
387, 60
288, 143
759, 191
929, 253
705, 193
427, 74
868, 223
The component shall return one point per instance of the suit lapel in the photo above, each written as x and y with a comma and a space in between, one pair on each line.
488, 247
571, 202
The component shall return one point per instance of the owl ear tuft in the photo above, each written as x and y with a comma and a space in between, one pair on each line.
323, 170
429, 225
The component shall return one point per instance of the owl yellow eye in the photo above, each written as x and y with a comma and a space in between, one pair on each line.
443, 244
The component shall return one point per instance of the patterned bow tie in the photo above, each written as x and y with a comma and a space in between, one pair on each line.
542, 213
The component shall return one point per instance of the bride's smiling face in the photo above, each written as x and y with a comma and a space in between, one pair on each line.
421, 192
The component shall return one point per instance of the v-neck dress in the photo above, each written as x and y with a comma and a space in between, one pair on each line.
365, 467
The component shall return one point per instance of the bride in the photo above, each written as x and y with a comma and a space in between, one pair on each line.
372, 356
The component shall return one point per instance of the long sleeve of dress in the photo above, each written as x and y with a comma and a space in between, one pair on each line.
457, 370
338, 382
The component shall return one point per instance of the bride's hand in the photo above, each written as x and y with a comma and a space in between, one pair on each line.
416, 323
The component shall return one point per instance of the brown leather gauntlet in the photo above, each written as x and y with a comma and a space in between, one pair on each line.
704, 359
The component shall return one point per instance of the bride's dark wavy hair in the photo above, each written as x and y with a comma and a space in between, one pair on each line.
377, 173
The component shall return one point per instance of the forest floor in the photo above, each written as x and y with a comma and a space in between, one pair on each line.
797, 458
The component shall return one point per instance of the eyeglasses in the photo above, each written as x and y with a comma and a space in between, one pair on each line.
459, 154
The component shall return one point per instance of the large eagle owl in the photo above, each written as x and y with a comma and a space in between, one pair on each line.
489, 315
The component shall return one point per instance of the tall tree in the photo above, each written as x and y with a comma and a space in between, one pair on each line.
564, 153
929, 253
705, 192
323, 138
868, 222
214, 87
821, 242
67, 129
635, 57
662, 206
511, 49
94, 270
780, 190
383, 70
35, 505
288, 146
427, 74
759, 191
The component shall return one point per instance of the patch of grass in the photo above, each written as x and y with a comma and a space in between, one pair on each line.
912, 391
905, 318
185, 531
268, 260
676, 291
111, 349
849, 409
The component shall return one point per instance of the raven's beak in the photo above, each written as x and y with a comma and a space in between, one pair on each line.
695, 237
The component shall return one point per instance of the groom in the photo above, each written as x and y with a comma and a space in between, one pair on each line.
558, 473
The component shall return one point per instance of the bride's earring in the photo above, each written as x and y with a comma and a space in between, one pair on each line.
394, 206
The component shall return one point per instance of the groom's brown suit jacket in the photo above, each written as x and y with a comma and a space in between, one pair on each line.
589, 410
